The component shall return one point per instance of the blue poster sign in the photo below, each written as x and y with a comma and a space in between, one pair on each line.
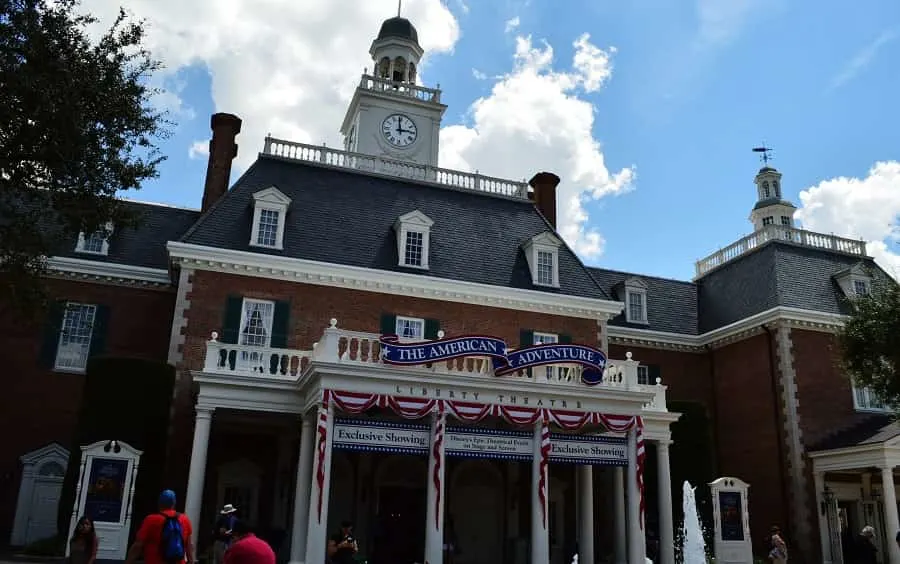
732, 516
505, 361
105, 494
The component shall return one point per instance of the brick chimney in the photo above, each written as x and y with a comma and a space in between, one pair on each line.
222, 151
544, 196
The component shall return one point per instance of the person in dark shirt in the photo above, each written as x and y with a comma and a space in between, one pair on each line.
223, 532
342, 547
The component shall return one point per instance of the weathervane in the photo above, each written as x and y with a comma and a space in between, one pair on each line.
766, 155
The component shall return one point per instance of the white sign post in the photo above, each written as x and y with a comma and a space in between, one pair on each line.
105, 493
731, 519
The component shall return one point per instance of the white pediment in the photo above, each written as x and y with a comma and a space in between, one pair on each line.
271, 195
546, 238
53, 450
635, 283
415, 218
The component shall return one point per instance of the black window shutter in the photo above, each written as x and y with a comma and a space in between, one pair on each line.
52, 329
280, 324
234, 306
99, 331
432, 326
388, 324
565, 339
526, 337
653, 373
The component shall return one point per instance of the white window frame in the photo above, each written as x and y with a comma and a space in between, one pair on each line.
271, 199
406, 319
863, 400
106, 232
859, 280
636, 286
540, 338
81, 366
413, 222
768, 220
545, 242
643, 375
848, 279
244, 314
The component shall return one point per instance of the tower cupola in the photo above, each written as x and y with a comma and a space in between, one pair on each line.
771, 208
396, 51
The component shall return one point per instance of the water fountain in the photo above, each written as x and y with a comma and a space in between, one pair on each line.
693, 550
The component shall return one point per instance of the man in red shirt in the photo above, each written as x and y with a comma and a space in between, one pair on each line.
149, 536
247, 548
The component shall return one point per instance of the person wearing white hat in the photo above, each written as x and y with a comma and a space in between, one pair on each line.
224, 532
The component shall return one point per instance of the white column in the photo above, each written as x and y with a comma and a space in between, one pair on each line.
540, 521
666, 522
435, 500
317, 531
636, 547
300, 522
619, 540
584, 475
197, 471
822, 512
891, 520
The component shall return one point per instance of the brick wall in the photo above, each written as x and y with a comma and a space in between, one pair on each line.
750, 431
42, 404
311, 309
686, 374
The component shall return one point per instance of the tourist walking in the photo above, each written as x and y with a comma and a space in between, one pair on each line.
223, 534
778, 552
343, 546
83, 545
164, 537
247, 548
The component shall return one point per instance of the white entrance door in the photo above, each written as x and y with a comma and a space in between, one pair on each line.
45, 504
43, 471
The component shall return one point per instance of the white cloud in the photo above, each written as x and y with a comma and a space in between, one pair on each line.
289, 67
862, 59
534, 120
859, 208
478, 75
511, 24
198, 150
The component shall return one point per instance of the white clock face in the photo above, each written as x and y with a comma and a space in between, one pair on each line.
399, 130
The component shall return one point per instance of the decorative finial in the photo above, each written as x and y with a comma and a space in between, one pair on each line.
399, 5
440, 334
332, 323
766, 155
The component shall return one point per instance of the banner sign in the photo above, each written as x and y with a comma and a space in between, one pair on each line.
505, 361
474, 442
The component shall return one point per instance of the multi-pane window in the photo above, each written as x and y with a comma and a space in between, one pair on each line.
545, 268
636, 307
75, 336
547, 339
768, 220
256, 323
643, 374
93, 243
766, 192
414, 248
410, 328
785, 220
267, 231
860, 287
865, 399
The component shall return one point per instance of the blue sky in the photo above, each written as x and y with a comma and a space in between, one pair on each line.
693, 87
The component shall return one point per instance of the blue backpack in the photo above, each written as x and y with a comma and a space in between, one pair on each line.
171, 540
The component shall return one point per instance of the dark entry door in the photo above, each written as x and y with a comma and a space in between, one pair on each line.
401, 523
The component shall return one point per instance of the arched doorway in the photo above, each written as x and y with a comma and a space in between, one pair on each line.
43, 471
477, 510
400, 510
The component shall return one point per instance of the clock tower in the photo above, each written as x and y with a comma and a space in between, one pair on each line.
390, 116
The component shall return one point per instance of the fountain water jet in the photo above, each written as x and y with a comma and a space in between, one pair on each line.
693, 551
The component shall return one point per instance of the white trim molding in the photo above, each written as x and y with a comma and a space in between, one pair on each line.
794, 317
412, 223
397, 283
271, 199
547, 243
94, 270
104, 233
637, 287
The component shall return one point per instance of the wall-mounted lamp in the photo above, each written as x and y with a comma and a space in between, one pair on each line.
827, 498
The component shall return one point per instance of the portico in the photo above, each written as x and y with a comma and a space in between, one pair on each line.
349, 399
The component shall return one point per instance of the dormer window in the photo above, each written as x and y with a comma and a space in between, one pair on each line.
635, 301
97, 243
542, 254
854, 281
413, 239
269, 214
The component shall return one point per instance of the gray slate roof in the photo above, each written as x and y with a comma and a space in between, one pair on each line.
671, 304
344, 217
144, 245
776, 274
870, 429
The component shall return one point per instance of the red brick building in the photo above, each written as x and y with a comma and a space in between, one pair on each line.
379, 239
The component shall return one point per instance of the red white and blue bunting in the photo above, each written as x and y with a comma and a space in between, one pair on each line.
473, 412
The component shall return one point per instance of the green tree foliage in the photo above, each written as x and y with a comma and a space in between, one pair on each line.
870, 342
76, 126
